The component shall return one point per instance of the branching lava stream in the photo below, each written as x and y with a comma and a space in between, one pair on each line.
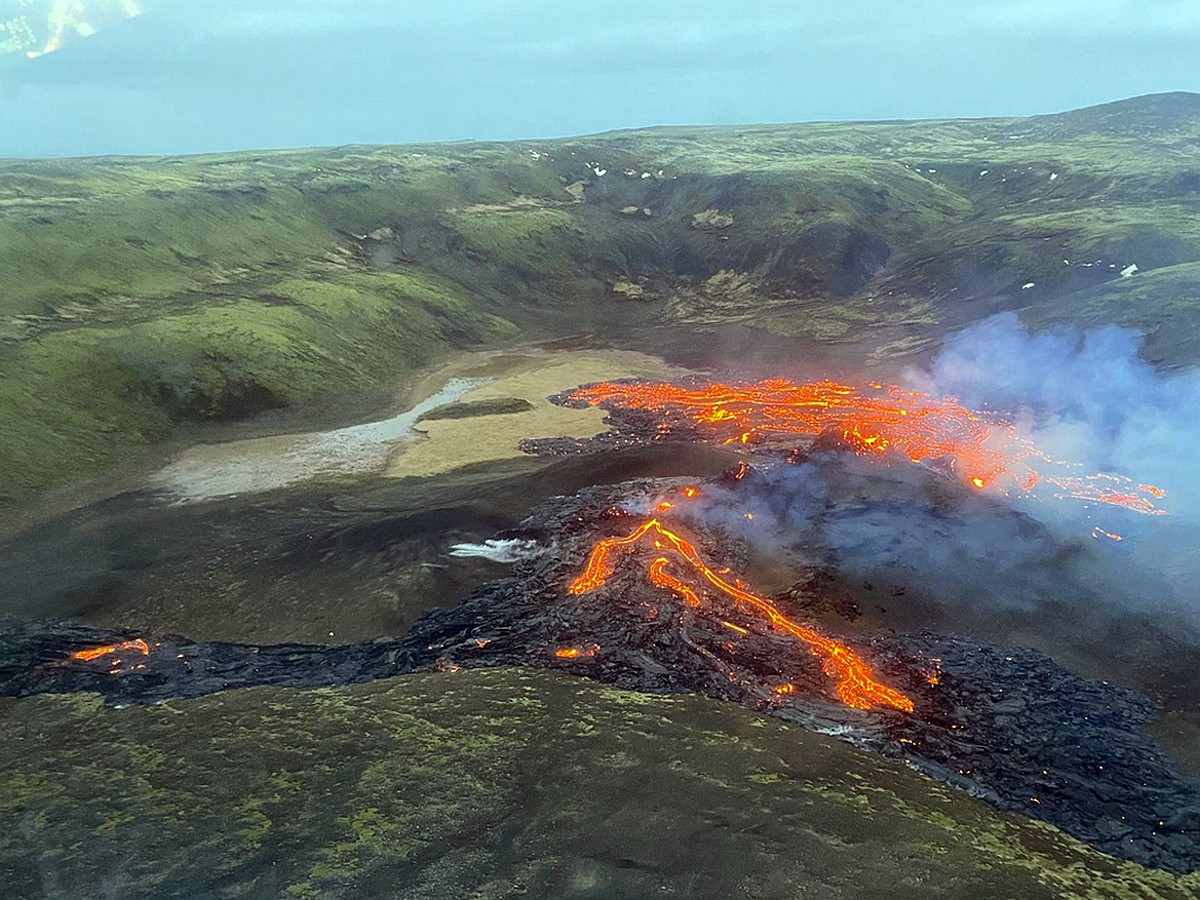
854, 681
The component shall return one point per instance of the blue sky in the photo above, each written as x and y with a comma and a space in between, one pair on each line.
199, 75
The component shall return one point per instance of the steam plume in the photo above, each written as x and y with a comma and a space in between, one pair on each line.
1086, 398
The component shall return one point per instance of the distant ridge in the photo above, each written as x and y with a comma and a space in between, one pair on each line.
1134, 115
1170, 111
1167, 103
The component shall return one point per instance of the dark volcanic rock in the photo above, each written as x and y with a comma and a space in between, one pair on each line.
1005, 724
1039, 740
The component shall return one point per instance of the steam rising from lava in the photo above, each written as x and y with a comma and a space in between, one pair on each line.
1032, 419
1088, 397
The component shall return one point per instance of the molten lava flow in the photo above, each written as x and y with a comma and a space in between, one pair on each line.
93, 653
854, 682
576, 652
882, 419
660, 577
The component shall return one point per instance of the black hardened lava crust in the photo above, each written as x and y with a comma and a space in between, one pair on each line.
1005, 724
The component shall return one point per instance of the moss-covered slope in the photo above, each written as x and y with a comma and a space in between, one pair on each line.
496, 784
136, 294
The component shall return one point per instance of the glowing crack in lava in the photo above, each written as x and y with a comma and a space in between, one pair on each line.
94, 653
854, 682
983, 449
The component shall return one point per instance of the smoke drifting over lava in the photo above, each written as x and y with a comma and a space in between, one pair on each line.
1020, 469
1089, 398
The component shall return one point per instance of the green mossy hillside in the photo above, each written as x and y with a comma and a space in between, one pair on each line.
73, 401
497, 784
139, 294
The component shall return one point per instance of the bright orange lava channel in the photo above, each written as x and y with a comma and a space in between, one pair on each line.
854, 682
92, 653
881, 419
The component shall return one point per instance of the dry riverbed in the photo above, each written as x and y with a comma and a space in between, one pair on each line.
403, 445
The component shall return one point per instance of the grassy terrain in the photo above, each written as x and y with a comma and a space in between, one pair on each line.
473, 408
497, 784
138, 294
73, 399
1161, 304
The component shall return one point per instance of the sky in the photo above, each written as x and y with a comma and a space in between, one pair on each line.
190, 76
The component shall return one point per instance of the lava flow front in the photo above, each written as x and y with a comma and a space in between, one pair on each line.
854, 681
93, 653
982, 448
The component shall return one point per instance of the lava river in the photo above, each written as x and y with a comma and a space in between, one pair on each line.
982, 448
855, 684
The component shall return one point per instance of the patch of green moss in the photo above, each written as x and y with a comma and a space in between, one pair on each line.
109, 228
1161, 304
74, 401
533, 242
474, 408
498, 783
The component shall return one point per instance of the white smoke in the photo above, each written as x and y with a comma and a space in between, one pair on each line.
1087, 399
1090, 399
908, 527
506, 551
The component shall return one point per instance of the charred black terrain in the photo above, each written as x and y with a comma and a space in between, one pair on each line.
247, 295
1005, 724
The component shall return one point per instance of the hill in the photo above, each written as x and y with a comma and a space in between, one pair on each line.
499, 783
140, 295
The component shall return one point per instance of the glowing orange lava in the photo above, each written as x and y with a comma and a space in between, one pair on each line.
109, 649
982, 449
576, 652
853, 679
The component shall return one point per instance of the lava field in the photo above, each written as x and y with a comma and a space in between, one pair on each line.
1005, 724
631, 585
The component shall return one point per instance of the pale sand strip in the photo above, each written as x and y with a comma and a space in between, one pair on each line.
532, 375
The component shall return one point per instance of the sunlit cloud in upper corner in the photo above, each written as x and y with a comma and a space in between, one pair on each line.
39, 27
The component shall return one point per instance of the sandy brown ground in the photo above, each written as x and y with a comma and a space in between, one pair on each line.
530, 374
396, 446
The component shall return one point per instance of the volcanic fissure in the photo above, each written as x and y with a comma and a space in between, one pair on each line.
627, 585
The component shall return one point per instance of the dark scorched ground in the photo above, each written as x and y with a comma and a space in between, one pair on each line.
1005, 724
